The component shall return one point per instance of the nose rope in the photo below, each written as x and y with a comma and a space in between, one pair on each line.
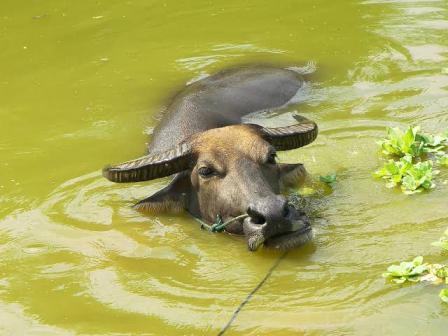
219, 225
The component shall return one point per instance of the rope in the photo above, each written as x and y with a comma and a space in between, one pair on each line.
219, 225
251, 294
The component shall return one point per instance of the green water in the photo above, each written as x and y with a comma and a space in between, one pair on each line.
80, 86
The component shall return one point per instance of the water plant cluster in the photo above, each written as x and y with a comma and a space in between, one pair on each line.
413, 155
418, 271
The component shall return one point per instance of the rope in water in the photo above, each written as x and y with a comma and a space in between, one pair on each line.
249, 296
219, 225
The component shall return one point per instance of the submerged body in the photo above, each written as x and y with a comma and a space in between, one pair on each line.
222, 100
224, 167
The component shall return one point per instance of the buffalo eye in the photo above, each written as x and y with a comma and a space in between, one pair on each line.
206, 172
272, 158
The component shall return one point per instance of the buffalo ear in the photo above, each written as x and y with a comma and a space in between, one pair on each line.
172, 198
291, 174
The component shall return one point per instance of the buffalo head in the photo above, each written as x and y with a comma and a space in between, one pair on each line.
230, 171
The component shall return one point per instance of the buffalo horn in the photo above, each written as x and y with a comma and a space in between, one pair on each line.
291, 137
150, 166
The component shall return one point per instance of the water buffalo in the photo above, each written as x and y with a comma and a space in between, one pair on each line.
223, 166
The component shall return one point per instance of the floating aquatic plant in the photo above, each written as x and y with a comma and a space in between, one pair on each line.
411, 177
329, 179
443, 295
443, 160
411, 142
442, 242
412, 166
407, 271
417, 271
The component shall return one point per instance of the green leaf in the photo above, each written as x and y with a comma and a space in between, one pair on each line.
442, 272
395, 270
328, 178
418, 261
443, 160
418, 270
442, 242
444, 295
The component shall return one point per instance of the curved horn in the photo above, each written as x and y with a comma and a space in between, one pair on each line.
150, 166
294, 136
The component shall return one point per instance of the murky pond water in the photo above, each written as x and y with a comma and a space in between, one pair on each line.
80, 86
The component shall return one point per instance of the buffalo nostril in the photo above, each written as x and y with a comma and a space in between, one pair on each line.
255, 216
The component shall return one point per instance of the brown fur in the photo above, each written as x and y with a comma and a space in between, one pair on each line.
238, 156
232, 141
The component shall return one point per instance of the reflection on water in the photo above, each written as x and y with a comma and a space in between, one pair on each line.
76, 258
